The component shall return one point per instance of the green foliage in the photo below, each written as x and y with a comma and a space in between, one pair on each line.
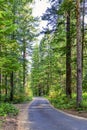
22, 97
62, 102
8, 109
68, 5
17, 31
84, 102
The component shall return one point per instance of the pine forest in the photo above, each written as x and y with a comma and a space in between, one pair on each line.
50, 62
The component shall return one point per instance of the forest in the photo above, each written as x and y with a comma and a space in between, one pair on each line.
56, 67
59, 61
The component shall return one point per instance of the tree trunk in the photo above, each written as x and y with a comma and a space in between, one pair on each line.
83, 14
0, 77
6, 89
12, 38
68, 57
79, 55
47, 90
12, 86
24, 62
0, 82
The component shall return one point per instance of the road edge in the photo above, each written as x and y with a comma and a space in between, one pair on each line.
68, 114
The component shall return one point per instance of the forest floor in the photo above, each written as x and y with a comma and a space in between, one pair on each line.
76, 113
18, 122
8, 123
15, 123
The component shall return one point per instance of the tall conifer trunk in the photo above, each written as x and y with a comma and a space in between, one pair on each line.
79, 55
6, 89
24, 62
12, 86
68, 57
12, 38
0, 77
83, 35
0, 82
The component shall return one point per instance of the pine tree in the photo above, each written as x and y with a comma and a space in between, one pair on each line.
79, 55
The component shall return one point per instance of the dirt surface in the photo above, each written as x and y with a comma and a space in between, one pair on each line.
77, 113
8, 123
18, 122
21, 121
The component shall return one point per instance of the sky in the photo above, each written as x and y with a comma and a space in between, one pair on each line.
86, 19
39, 9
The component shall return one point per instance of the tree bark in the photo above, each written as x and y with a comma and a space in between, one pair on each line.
24, 62
0, 77
6, 89
68, 57
79, 55
83, 35
0, 82
12, 86
12, 38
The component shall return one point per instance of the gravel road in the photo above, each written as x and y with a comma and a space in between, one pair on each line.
42, 116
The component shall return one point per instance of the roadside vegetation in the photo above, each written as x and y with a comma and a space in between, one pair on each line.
63, 103
8, 109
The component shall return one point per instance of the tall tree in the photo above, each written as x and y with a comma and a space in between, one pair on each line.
68, 56
67, 7
26, 33
35, 83
79, 55
83, 31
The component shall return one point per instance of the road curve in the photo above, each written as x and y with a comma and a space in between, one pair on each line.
42, 116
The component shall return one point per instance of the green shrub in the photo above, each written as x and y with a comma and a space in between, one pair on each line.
62, 102
8, 109
20, 99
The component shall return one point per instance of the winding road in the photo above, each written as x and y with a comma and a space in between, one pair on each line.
42, 116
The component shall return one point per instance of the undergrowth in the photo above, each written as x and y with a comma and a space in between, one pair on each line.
62, 102
8, 109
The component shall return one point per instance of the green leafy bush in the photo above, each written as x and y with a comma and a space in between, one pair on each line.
8, 109
20, 99
62, 102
